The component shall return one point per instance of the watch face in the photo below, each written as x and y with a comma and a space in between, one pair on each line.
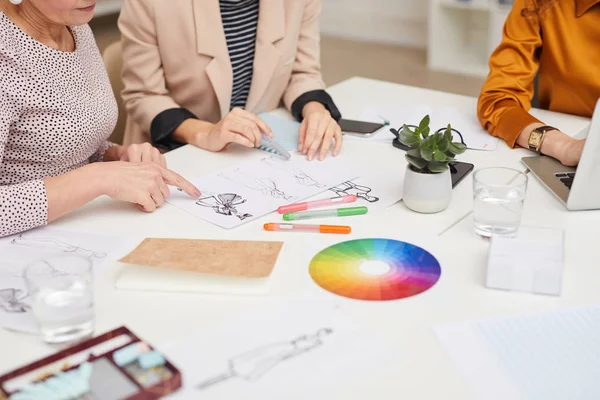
535, 139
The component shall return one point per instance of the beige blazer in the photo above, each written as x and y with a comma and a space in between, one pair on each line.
175, 55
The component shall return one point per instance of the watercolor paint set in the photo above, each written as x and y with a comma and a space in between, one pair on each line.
116, 365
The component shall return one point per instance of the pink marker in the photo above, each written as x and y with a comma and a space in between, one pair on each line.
315, 204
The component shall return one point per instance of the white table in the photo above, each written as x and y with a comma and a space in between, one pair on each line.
423, 370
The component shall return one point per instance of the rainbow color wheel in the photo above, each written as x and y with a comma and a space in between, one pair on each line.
375, 269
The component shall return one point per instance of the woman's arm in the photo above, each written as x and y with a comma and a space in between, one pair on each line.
506, 94
305, 95
68, 192
306, 79
146, 96
22, 206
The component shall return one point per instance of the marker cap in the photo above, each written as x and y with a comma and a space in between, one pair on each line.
349, 211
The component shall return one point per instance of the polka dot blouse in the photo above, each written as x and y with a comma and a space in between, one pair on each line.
56, 111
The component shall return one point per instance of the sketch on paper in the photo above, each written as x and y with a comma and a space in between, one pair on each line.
253, 364
266, 186
349, 187
49, 248
301, 177
257, 187
50, 243
12, 300
224, 204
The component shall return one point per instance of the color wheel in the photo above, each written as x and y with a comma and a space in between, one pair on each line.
375, 269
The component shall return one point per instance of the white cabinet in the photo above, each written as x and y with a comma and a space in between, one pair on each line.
107, 7
463, 34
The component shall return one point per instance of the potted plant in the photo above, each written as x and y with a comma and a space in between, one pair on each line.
427, 180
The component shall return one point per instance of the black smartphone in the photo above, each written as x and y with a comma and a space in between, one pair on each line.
359, 128
458, 170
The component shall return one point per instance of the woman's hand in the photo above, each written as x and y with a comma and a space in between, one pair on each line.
571, 152
144, 184
318, 130
239, 126
142, 153
556, 144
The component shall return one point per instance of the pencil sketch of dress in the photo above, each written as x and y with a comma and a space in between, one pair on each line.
11, 300
266, 186
252, 365
13, 295
224, 204
299, 176
349, 187
50, 243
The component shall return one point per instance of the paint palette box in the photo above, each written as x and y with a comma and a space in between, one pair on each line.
115, 365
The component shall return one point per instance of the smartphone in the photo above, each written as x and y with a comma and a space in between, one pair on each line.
359, 128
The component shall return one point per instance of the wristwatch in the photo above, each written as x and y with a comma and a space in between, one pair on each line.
536, 137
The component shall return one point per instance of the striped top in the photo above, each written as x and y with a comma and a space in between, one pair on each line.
240, 18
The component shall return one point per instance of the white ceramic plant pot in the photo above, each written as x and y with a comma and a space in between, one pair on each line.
427, 193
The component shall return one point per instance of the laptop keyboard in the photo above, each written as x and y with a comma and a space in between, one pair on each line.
566, 178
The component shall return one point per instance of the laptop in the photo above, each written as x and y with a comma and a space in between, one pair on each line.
577, 188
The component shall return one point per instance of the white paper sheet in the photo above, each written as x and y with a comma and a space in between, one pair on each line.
466, 123
18, 251
252, 189
296, 349
546, 356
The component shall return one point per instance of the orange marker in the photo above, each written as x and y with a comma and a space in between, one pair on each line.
340, 229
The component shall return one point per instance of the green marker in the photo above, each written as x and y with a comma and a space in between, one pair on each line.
339, 212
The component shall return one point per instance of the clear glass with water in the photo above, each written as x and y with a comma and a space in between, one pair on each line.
499, 194
62, 297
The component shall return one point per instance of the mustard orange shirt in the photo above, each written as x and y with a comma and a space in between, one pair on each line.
561, 39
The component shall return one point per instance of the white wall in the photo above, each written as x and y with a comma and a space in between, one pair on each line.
402, 22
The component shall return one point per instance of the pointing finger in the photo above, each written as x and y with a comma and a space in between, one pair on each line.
174, 179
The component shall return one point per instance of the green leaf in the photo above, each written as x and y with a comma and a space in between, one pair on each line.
443, 144
438, 156
426, 132
424, 124
437, 138
429, 141
414, 153
457, 148
406, 129
418, 163
408, 140
437, 167
448, 135
427, 154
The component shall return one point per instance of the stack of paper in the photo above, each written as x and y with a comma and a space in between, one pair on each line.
533, 261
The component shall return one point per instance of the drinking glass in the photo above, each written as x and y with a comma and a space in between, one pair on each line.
499, 194
61, 291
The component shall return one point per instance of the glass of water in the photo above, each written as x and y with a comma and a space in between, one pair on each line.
62, 298
499, 194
